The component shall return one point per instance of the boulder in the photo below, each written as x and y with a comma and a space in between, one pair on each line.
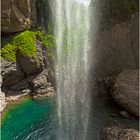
126, 91
30, 65
118, 133
40, 84
22, 85
124, 114
17, 15
10, 74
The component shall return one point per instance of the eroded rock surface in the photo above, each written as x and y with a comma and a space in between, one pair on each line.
10, 74
126, 91
26, 76
17, 15
116, 132
115, 47
40, 84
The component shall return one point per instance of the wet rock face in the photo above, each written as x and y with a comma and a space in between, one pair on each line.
40, 84
29, 65
126, 91
16, 82
17, 15
115, 47
10, 74
118, 133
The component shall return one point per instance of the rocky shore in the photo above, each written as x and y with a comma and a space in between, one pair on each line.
124, 90
114, 131
25, 77
25, 61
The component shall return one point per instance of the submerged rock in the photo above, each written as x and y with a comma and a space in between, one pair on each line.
126, 91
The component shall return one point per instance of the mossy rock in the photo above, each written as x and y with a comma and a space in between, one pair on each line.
9, 52
24, 43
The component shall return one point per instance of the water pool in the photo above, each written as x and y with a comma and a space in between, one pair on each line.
37, 120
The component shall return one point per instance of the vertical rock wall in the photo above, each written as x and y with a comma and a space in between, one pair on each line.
115, 44
17, 15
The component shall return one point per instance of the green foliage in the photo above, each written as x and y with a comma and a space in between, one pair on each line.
23, 43
9, 52
48, 41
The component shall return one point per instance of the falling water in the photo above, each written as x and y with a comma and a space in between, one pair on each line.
72, 37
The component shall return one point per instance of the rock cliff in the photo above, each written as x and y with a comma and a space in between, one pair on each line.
114, 37
126, 91
17, 15
25, 65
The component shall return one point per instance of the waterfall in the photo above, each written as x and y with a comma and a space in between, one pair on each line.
71, 29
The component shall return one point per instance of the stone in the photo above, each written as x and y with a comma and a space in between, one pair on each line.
114, 115
28, 65
126, 91
21, 85
2, 101
50, 94
117, 132
40, 84
115, 48
10, 74
26, 91
124, 114
7, 68
40, 78
17, 15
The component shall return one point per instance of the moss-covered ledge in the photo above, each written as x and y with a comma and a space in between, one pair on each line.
25, 44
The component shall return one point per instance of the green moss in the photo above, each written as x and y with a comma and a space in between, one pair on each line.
48, 41
9, 52
24, 43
